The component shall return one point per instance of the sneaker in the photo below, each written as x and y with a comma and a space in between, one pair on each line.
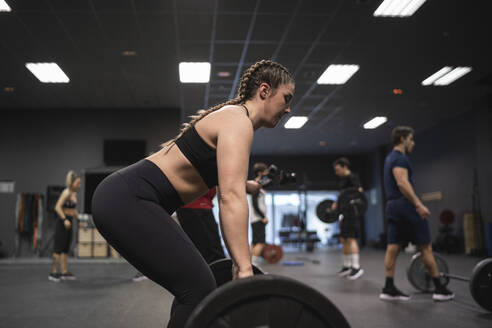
355, 273
344, 271
55, 277
393, 294
68, 276
139, 277
443, 294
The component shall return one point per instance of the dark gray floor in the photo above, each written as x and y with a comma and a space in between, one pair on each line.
105, 296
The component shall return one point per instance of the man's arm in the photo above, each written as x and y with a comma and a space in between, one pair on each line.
401, 178
254, 199
252, 187
356, 183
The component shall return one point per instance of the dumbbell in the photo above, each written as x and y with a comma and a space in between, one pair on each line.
480, 282
263, 300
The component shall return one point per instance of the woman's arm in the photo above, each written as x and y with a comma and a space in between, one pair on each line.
58, 207
233, 148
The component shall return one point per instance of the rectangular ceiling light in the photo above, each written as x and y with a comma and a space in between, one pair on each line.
446, 75
48, 72
398, 8
434, 77
295, 122
453, 75
337, 74
4, 6
194, 72
375, 122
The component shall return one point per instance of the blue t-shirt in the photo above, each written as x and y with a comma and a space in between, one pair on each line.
395, 159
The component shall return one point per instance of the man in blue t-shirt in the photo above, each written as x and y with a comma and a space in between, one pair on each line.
406, 216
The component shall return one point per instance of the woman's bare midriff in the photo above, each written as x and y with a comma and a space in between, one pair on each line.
180, 173
69, 211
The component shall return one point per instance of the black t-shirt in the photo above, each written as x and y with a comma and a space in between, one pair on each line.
349, 181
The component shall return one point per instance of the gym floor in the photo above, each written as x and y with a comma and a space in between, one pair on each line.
105, 296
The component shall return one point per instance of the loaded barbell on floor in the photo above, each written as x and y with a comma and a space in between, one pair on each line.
350, 200
480, 282
263, 301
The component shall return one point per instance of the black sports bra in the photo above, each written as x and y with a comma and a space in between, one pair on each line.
200, 154
69, 203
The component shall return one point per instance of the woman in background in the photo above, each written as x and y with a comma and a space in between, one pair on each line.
66, 211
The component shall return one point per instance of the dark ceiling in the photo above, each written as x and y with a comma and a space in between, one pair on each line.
87, 38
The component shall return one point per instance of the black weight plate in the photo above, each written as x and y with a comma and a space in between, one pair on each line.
222, 270
266, 301
481, 284
419, 278
324, 212
351, 199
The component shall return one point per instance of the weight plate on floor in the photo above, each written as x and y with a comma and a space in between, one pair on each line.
419, 278
222, 270
481, 284
325, 213
272, 253
266, 301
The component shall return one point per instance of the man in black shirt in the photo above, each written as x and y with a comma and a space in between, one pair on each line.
349, 222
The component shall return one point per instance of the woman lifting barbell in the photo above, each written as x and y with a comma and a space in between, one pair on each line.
132, 207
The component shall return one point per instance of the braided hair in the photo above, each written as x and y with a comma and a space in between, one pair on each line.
263, 71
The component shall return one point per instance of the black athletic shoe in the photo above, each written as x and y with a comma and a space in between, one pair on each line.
55, 277
344, 271
355, 273
443, 294
68, 276
393, 294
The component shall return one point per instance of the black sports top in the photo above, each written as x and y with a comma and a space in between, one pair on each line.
200, 154
69, 203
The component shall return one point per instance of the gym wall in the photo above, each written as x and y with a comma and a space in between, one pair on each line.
38, 147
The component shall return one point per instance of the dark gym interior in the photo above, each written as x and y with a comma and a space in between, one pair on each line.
124, 97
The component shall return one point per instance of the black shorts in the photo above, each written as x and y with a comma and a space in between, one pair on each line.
405, 224
258, 232
63, 236
349, 227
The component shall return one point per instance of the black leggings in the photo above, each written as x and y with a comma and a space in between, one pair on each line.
131, 208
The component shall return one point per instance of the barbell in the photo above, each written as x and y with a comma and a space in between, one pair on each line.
263, 301
480, 282
350, 202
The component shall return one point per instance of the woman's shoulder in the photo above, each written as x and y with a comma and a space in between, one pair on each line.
224, 119
236, 113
